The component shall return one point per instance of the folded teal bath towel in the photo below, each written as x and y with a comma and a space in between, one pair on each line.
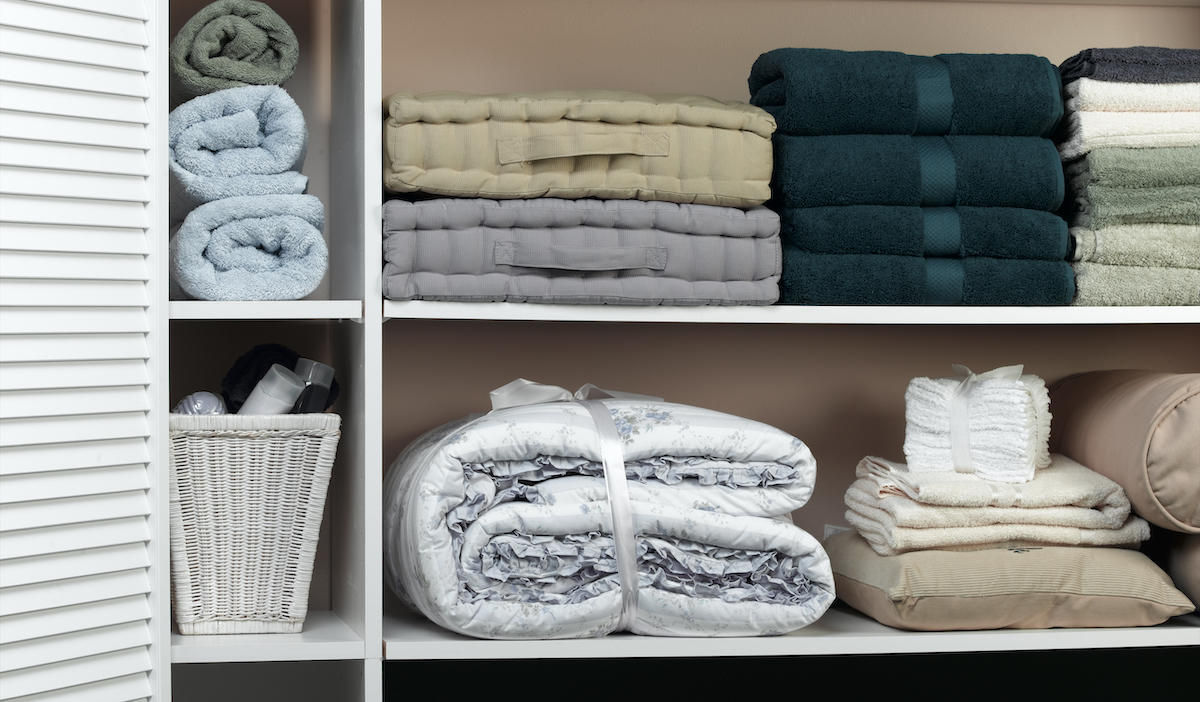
267, 247
241, 141
870, 279
926, 171
230, 43
994, 232
814, 92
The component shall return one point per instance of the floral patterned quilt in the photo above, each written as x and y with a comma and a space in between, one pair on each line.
500, 527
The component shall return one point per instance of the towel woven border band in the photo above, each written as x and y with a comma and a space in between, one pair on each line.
938, 178
935, 97
943, 281
943, 231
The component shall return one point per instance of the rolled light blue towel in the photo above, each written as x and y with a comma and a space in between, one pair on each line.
240, 141
265, 247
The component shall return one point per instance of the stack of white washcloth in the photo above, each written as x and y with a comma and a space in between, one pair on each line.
897, 509
1001, 432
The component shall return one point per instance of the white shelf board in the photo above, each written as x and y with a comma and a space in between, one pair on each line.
839, 631
275, 309
789, 314
325, 637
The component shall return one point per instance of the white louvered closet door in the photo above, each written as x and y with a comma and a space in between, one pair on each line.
77, 337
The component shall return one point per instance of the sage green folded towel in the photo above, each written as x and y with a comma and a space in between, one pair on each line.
1100, 285
228, 44
1101, 206
1137, 168
1155, 245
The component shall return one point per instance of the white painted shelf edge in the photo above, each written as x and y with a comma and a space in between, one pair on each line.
325, 637
788, 314
838, 632
276, 309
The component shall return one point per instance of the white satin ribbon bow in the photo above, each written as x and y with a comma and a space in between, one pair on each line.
526, 392
960, 412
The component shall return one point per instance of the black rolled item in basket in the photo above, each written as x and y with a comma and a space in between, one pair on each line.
247, 495
250, 368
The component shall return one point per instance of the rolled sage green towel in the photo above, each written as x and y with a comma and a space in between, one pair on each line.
231, 43
1101, 206
1100, 285
1156, 245
1137, 168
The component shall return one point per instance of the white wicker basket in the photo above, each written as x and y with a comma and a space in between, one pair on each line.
247, 494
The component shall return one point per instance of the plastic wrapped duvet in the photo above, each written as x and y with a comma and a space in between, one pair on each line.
501, 527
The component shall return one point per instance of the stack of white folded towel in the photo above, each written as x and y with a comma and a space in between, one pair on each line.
897, 509
1103, 114
1002, 437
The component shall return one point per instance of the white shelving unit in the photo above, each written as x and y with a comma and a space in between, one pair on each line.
290, 309
781, 314
325, 637
837, 632
407, 366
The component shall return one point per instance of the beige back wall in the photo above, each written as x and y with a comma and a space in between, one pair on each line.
707, 46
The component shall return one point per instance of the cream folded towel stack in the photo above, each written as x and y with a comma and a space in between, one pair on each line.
899, 510
1140, 130
995, 425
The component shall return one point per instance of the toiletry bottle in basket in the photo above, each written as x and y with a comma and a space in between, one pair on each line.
276, 393
317, 379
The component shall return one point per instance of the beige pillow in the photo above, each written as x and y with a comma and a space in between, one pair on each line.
1017, 588
1183, 563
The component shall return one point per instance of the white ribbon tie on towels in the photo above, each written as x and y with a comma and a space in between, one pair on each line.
526, 392
960, 411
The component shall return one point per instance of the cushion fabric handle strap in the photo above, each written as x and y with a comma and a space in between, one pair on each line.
537, 148
580, 258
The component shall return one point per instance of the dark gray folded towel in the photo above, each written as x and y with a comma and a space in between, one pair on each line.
1134, 64
813, 92
995, 232
926, 171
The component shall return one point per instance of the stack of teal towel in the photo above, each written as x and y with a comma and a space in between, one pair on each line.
1131, 148
910, 180
242, 227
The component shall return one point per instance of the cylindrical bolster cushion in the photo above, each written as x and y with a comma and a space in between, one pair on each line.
1142, 430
